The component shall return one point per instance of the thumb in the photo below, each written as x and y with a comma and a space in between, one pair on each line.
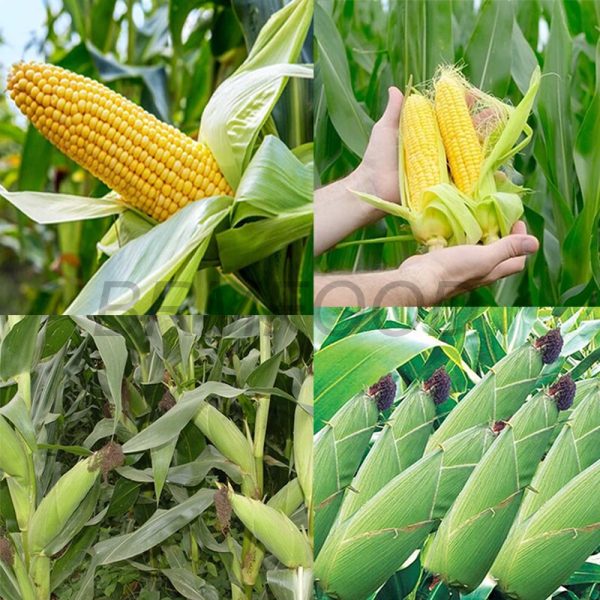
512, 246
391, 116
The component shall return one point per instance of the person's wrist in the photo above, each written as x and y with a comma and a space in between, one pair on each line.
419, 283
362, 180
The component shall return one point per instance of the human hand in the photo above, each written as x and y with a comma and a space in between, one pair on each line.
444, 273
378, 171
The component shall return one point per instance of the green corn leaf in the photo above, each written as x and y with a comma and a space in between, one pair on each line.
363, 552
401, 444
303, 438
545, 549
476, 526
339, 448
576, 448
496, 397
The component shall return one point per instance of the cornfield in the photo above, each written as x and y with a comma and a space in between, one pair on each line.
363, 48
171, 173
155, 458
456, 453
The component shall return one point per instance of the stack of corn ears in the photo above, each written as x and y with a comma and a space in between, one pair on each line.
476, 494
453, 139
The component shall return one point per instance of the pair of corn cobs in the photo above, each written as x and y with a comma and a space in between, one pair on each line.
154, 167
423, 122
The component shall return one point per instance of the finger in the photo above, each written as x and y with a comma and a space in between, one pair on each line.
509, 247
519, 228
391, 116
508, 267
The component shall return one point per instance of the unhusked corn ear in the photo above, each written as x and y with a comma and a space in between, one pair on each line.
61, 502
154, 167
420, 140
275, 530
13, 457
463, 149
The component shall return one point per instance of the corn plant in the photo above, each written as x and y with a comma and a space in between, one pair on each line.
182, 442
180, 206
457, 492
365, 47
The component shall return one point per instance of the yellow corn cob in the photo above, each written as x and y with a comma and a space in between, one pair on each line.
463, 149
420, 137
154, 167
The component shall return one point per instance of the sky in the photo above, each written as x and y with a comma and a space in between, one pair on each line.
16, 26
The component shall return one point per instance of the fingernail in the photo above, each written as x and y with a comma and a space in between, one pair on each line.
529, 245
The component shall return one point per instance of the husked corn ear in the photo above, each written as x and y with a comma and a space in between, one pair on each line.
463, 149
420, 140
155, 168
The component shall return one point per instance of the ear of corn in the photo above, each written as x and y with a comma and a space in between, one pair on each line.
462, 145
424, 157
576, 448
289, 498
476, 526
503, 389
13, 456
400, 444
496, 206
273, 529
16, 463
229, 441
57, 507
154, 167
543, 550
364, 551
338, 450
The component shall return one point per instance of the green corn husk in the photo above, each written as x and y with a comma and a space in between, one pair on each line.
400, 445
338, 449
16, 463
541, 553
476, 526
61, 502
24, 581
40, 574
576, 448
496, 397
13, 456
275, 530
363, 552
498, 206
303, 439
229, 441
